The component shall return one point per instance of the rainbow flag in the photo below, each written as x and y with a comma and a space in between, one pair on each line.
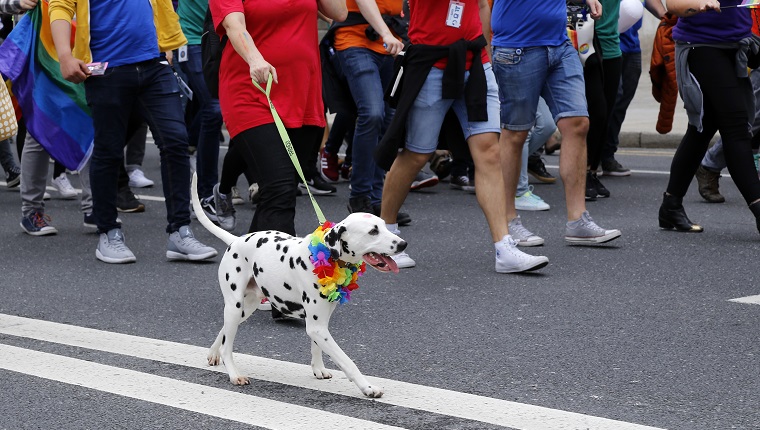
750, 3
54, 109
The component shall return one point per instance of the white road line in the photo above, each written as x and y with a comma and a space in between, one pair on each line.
753, 300
211, 401
439, 401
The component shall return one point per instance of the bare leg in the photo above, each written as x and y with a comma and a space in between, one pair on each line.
511, 143
397, 182
489, 183
572, 163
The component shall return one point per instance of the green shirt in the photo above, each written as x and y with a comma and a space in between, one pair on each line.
192, 13
606, 29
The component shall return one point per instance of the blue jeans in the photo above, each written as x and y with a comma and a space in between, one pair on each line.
368, 73
537, 136
427, 115
207, 122
151, 88
552, 72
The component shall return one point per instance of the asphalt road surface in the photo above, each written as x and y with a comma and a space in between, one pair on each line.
645, 332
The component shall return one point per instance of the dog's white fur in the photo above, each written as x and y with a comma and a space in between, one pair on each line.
276, 265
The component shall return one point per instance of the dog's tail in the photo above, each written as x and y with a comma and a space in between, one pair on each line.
217, 231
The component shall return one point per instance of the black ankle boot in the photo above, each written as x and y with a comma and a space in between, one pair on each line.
673, 216
755, 208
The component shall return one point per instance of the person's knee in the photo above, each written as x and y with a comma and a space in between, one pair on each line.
573, 127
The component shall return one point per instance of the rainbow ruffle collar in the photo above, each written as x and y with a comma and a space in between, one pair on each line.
337, 278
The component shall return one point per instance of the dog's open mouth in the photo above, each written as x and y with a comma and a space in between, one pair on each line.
380, 262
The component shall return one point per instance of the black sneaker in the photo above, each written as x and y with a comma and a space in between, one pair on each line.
209, 208
318, 186
13, 177
89, 221
537, 169
590, 188
127, 202
593, 182
360, 204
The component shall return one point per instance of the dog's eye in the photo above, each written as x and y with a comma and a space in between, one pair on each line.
374, 232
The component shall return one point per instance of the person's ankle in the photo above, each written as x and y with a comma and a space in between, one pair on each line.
393, 228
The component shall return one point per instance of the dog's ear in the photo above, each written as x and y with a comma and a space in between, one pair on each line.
334, 242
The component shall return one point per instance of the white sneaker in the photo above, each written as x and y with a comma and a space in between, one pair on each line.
46, 196
62, 184
530, 202
137, 179
521, 235
509, 259
403, 260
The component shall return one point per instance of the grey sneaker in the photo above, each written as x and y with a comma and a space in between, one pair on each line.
112, 249
509, 259
584, 231
225, 210
182, 245
521, 235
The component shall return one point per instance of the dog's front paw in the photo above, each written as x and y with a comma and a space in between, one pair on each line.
214, 359
321, 373
373, 391
240, 380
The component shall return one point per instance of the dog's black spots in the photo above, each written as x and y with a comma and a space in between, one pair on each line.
261, 270
302, 315
335, 254
279, 238
322, 296
233, 287
248, 238
238, 269
305, 298
227, 276
282, 258
287, 287
237, 305
316, 286
235, 255
285, 249
353, 254
302, 263
375, 231
262, 241
246, 259
228, 248
325, 339
344, 246
242, 314
293, 306
292, 265
264, 290
224, 339
315, 317
255, 269
278, 300
277, 247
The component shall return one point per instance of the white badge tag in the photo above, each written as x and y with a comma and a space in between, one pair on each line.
454, 18
182, 54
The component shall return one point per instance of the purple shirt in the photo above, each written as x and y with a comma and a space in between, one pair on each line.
732, 24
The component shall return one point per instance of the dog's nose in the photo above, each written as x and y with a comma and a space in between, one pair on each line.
401, 246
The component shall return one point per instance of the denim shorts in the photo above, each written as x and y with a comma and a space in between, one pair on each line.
552, 72
427, 114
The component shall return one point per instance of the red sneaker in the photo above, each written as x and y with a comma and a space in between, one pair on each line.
328, 166
265, 305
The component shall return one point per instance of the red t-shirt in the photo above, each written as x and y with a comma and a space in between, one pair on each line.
427, 25
285, 32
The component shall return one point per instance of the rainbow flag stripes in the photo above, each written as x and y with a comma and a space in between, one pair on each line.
55, 110
750, 3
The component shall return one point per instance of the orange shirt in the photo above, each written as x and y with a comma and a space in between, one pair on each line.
354, 37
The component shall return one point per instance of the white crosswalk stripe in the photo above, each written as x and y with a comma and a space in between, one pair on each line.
397, 393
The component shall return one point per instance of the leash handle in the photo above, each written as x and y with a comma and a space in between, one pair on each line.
289, 145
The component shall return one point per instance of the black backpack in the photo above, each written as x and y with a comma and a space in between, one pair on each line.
211, 54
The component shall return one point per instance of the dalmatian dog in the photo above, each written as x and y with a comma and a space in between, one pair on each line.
276, 265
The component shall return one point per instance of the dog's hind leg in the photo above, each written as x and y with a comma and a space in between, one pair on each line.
323, 340
250, 303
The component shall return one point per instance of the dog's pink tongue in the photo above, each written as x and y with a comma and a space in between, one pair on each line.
381, 262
